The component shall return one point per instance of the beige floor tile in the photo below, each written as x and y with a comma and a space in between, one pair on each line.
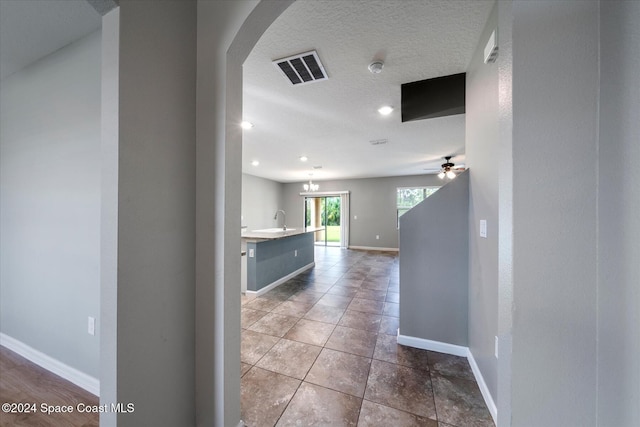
274, 324
313, 405
324, 313
376, 415
355, 341
290, 358
310, 332
360, 320
264, 396
401, 388
340, 371
254, 345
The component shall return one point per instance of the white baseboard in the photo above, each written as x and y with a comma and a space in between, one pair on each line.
87, 382
488, 399
373, 248
456, 350
280, 281
440, 347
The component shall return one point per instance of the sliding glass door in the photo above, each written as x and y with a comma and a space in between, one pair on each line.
324, 212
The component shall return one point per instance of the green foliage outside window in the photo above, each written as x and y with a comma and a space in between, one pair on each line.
409, 197
332, 211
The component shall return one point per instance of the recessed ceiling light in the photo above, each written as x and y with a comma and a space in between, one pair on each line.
304, 158
385, 110
246, 125
255, 163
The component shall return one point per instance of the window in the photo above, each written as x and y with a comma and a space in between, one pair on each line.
408, 197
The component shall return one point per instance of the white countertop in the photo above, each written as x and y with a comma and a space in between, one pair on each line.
257, 235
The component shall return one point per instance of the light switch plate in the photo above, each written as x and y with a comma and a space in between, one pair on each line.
91, 325
483, 228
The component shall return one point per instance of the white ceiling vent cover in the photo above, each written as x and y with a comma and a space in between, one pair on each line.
378, 141
302, 68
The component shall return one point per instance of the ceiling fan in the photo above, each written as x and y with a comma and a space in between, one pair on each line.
447, 169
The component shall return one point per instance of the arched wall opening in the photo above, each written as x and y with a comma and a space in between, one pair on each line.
218, 198
219, 156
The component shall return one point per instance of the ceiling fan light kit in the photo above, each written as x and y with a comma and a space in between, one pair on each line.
447, 167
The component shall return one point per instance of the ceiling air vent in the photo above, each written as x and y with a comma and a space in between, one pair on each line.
302, 68
378, 141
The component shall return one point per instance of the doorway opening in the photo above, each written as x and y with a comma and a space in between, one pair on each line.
324, 212
330, 211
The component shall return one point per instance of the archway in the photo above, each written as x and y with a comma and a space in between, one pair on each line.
226, 176
218, 195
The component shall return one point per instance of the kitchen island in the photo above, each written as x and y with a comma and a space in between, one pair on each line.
276, 255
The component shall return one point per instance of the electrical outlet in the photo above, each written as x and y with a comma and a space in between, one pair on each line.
251, 253
355, 217
295, 252
377, 237
91, 325
496, 349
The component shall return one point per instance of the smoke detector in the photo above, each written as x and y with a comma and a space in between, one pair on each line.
376, 67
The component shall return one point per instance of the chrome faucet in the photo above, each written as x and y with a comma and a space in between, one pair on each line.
284, 218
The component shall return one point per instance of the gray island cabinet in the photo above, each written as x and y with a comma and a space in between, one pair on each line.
276, 255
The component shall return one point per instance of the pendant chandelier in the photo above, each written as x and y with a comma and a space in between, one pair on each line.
311, 186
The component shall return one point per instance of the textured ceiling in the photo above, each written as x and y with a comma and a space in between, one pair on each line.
331, 122
32, 29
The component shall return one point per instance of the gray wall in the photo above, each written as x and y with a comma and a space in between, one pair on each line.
261, 198
434, 240
50, 204
372, 200
482, 150
227, 31
109, 214
505, 212
555, 159
156, 214
619, 210
277, 258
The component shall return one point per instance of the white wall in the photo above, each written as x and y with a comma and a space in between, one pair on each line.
482, 151
50, 204
261, 199
619, 213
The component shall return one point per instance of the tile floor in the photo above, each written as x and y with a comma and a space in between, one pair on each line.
321, 350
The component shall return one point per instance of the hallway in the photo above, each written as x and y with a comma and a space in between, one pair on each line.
321, 349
